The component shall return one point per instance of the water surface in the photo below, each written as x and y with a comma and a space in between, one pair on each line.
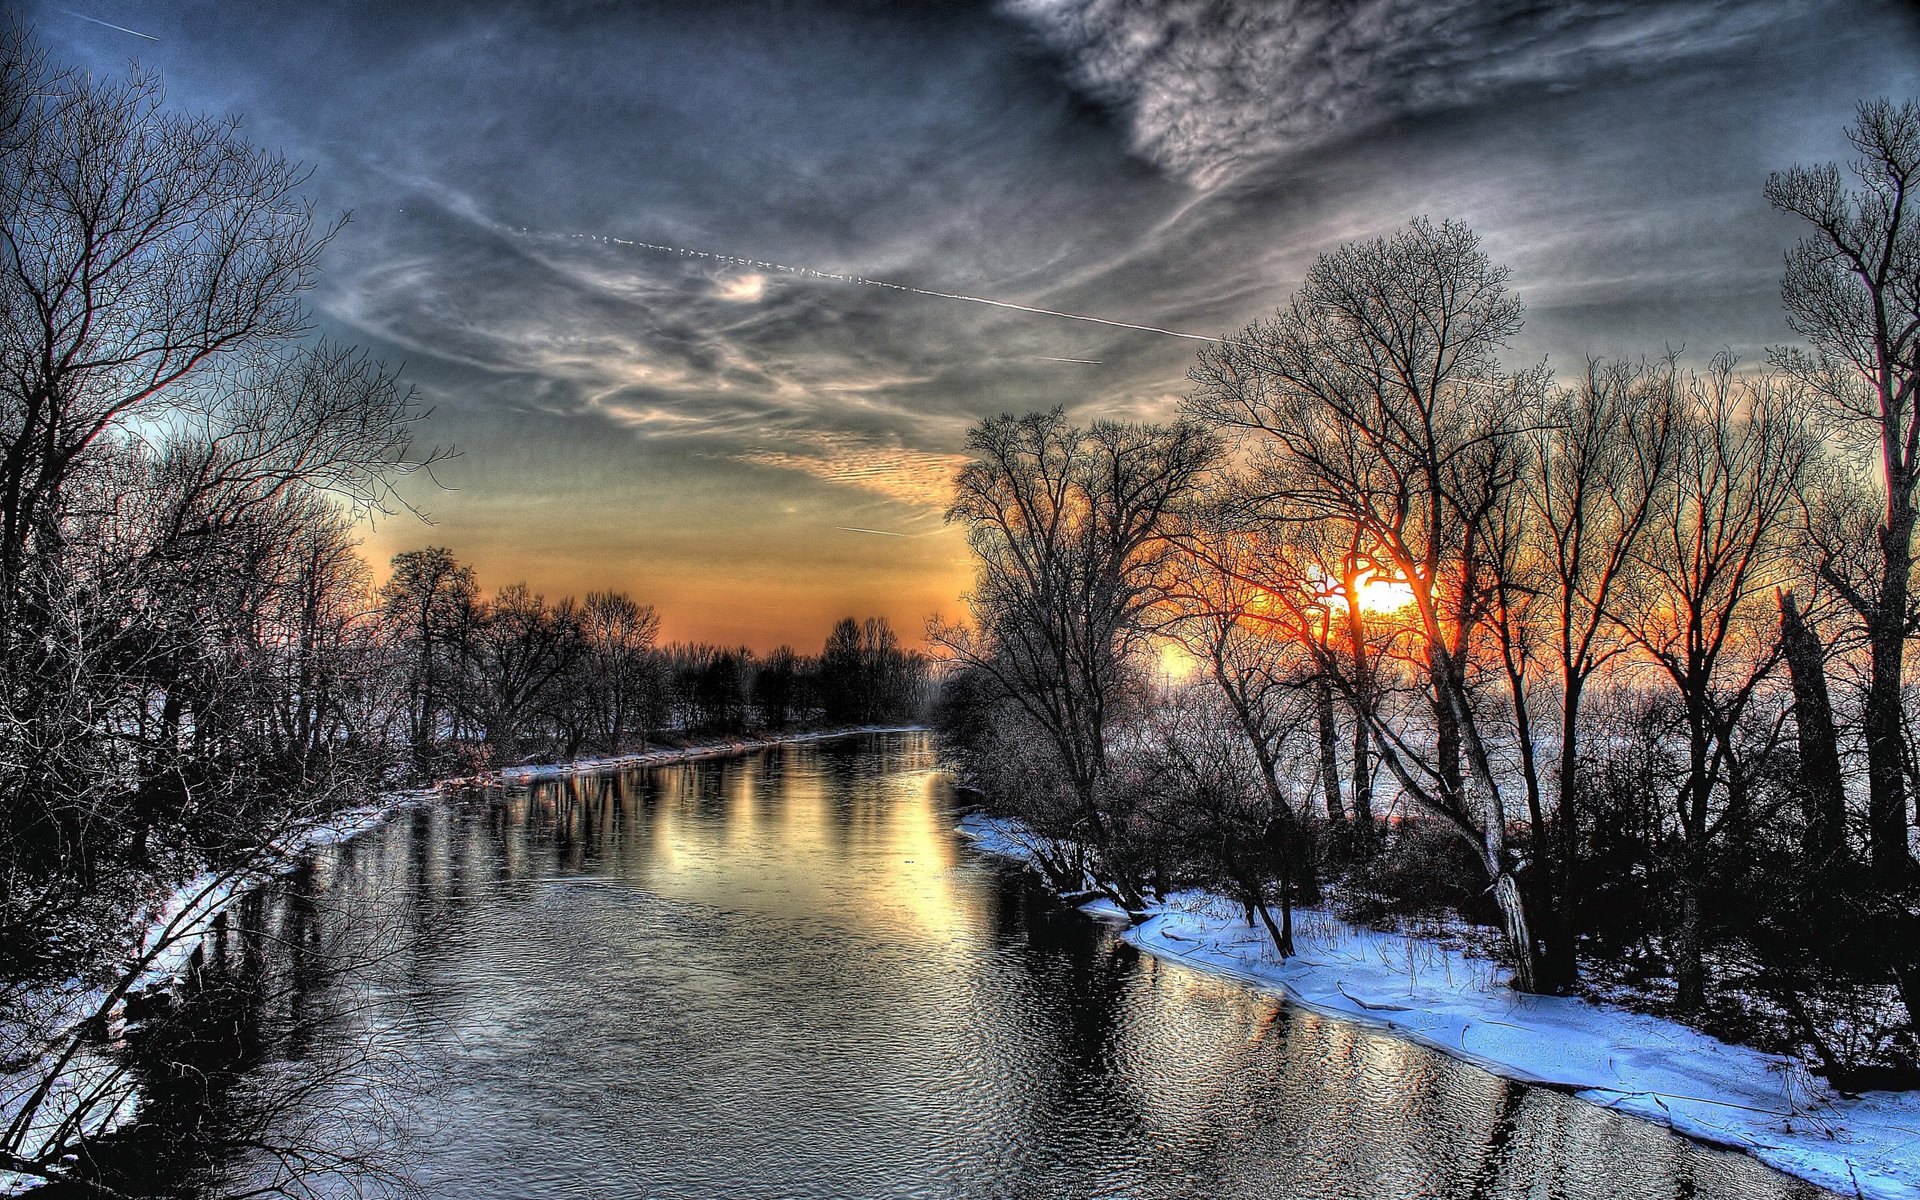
784, 975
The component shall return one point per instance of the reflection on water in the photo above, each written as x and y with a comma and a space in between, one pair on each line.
782, 975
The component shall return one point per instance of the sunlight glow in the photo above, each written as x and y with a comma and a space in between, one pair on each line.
1379, 595
1174, 665
742, 289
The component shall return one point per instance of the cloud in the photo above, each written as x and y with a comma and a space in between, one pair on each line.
744, 288
913, 477
1212, 87
1168, 162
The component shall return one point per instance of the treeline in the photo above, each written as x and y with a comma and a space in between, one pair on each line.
480, 680
1613, 664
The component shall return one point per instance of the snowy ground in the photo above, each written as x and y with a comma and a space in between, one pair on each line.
1424, 992
650, 758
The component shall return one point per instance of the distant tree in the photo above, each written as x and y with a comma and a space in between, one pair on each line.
711, 685
720, 690
618, 662
776, 688
865, 676
431, 601
843, 674
521, 650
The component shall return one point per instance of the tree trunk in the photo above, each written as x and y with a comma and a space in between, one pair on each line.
1513, 918
1563, 952
1329, 750
1363, 705
1689, 963
1886, 766
1254, 899
1465, 737
1555, 964
1822, 799
1125, 888
1446, 749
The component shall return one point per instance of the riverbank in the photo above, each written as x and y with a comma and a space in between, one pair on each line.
176, 921
188, 911
1766, 1105
662, 755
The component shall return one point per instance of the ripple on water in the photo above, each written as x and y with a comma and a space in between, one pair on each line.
782, 975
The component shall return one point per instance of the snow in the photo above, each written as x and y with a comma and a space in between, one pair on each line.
651, 758
1419, 990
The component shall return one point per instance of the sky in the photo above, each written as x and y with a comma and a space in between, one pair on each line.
714, 436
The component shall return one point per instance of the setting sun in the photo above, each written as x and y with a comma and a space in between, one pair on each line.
1175, 664
1379, 594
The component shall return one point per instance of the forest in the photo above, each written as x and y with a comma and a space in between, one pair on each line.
1605, 669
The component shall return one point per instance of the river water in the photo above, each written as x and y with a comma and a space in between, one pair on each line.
784, 975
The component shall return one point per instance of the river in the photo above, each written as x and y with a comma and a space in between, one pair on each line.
784, 975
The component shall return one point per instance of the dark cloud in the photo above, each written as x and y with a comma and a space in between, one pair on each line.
1213, 87
697, 429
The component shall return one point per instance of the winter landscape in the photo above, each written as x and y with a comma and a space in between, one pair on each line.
1039, 598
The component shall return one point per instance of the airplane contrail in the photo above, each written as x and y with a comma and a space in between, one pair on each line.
110, 25
878, 532
811, 273
1092, 362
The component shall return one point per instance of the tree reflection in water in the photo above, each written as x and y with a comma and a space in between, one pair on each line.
783, 975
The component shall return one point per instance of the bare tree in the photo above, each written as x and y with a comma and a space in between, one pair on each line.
1718, 544
865, 675
1066, 525
523, 648
1219, 803
184, 650
1379, 396
1263, 659
1601, 456
620, 636
777, 687
1853, 290
432, 602
137, 245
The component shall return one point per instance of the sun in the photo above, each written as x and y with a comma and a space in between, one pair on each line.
1379, 594
1175, 664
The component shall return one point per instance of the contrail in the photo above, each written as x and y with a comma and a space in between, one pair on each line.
110, 25
878, 532
1092, 362
811, 273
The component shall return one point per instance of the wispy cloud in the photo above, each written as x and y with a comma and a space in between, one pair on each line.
1211, 87
912, 477
1162, 163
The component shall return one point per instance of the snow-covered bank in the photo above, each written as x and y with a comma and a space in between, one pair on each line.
663, 755
185, 914
1427, 993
